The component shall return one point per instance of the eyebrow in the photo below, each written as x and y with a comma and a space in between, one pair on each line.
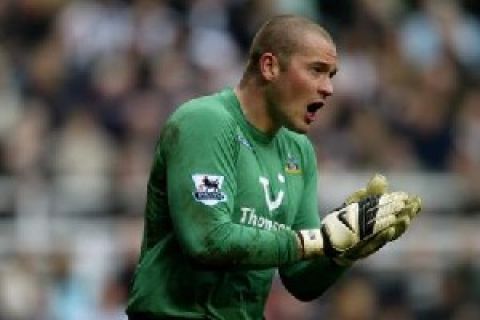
325, 66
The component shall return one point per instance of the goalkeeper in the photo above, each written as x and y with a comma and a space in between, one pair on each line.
232, 194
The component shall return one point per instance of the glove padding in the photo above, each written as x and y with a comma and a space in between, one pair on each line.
367, 247
368, 220
346, 230
378, 185
414, 206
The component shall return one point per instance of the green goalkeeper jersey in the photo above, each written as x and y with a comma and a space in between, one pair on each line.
223, 201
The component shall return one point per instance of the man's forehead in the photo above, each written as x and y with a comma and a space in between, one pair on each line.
318, 42
316, 47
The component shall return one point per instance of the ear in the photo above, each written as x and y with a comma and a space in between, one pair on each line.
269, 66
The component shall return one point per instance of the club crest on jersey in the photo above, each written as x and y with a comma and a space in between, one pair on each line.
208, 189
293, 165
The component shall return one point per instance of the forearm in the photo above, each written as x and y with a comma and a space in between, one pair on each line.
230, 245
307, 280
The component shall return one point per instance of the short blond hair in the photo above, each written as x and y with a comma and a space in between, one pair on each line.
282, 36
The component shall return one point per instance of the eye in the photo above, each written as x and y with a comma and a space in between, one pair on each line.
322, 69
317, 70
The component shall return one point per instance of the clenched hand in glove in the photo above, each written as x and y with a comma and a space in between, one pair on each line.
369, 219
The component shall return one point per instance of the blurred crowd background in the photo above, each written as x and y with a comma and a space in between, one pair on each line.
85, 87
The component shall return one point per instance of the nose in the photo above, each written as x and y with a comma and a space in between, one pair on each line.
326, 87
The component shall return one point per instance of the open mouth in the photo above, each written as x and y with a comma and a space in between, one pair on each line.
314, 106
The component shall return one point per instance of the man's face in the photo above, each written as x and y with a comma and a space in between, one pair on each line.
297, 92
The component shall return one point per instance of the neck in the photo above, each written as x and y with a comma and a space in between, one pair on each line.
254, 104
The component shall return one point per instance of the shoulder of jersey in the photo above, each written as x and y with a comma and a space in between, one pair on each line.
206, 107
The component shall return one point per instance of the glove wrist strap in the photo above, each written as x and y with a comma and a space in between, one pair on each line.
311, 242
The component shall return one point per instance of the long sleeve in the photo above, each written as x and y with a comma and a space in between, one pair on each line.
307, 280
201, 147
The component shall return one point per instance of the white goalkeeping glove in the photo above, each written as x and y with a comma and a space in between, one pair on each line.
345, 228
378, 185
369, 219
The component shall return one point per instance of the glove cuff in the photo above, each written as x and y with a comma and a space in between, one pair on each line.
328, 248
330, 252
311, 242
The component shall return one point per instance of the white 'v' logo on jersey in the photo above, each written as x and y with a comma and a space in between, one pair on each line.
275, 203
